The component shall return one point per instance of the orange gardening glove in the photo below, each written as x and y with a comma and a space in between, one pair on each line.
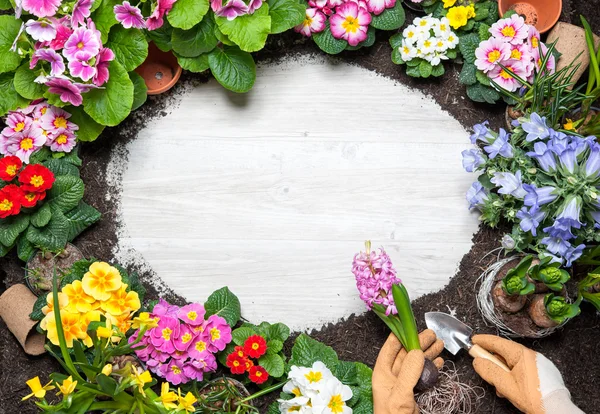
397, 372
534, 385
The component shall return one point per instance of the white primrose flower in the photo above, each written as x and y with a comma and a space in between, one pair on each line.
295, 406
424, 24
332, 398
442, 28
441, 45
310, 379
452, 41
426, 46
410, 35
407, 52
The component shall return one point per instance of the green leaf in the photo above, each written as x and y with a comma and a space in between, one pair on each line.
307, 351
24, 248
368, 42
482, 93
111, 105
140, 90
396, 40
467, 45
451, 53
11, 227
161, 37
80, 218
273, 363
278, 331
9, 98
89, 129
53, 236
249, 31
199, 39
129, 45
107, 384
185, 14
37, 314
327, 43
233, 68
482, 78
61, 167
223, 38
413, 71
5, 5
285, 14
468, 74
274, 346
438, 70
240, 335
196, 64
9, 29
391, 19
225, 304
104, 18
25, 85
346, 372
425, 69
41, 217
66, 193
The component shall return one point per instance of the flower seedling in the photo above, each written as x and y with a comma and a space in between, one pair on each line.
559, 309
550, 274
516, 281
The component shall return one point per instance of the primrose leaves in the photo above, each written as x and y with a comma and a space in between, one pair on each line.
327, 43
185, 14
273, 363
285, 14
240, 334
89, 129
104, 18
25, 85
249, 31
224, 304
307, 351
196, 64
54, 235
391, 19
199, 39
233, 68
140, 90
9, 29
11, 227
129, 45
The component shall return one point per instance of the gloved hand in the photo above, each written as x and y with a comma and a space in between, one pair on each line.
534, 385
397, 372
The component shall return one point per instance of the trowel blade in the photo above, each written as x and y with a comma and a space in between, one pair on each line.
454, 333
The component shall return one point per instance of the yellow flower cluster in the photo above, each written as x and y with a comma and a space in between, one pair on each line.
101, 292
172, 401
459, 15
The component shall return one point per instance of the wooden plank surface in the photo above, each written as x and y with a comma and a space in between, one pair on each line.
272, 193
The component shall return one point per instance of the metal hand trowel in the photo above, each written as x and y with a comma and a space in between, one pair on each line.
456, 336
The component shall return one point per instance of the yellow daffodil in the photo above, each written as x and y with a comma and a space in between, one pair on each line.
569, 125
104, 332
63, 302
107, 369
79, 301
458, 16
67, 387
86, 319
167, 398
101, 280
71, 326
121, 302
36, 389
471, 11
449, 3
186, 403
144, 319
140, 379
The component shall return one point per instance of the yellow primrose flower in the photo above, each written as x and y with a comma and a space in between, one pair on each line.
470, 11
63, 302
71, 326
101, 280
449, 3
107, 369
187, 402
458, 16
121, 302
104, 332
167, 398
36, 389
569, 125
122, 322
79, 301
67, 387
144, 319
86, 319
140, 379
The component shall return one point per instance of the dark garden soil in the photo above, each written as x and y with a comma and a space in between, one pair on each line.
574, 349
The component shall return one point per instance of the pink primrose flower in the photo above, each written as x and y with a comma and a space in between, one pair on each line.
41, 30
192, 314
82, 45
512, 29
350, 22
81, 11
218, 331
491, 52
25, 143
314, 22
41, 8
129, 16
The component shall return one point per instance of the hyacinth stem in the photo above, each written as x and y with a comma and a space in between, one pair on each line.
407, 318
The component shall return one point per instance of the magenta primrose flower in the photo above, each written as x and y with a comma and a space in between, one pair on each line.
192, 314
41, 8
57, 65
511, 30
200, 346
375, 275
155, 21
16, 123
350, 22
314, 22
62, 141
82, 69
24, 143
378, 6
81, 11
232, 9
129, 16
165, 333
219, 332
185, 338
56, 119
42, 30
82, 45
173, 372
63, 32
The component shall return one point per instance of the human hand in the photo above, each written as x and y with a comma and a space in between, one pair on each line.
397, 372
534, 385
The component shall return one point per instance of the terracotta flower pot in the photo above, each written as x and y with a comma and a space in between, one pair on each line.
15, 306
543, 14
160, 70
570, 42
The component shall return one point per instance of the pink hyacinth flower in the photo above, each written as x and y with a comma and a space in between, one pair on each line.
232, 9
16, 123
254, 5
25, 143
218, 332
491, 52
57, 65
57, 119
504, 79
512, 29
350, 22
41, 30
102, 64
81, 11
314, 22
82, 69
62, 141
173, 372
67, 92
129, 16
82, 45
41, 8
378, 6
192, 314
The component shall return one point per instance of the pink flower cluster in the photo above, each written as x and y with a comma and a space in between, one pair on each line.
181, 347
234, 8
131, 16
375, 275
27, 130
516, 46
348, 19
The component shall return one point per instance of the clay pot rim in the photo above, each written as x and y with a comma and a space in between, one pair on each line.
154, 52
551, 22
176, 76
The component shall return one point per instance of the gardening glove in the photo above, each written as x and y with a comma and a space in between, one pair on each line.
397, 372
534, 385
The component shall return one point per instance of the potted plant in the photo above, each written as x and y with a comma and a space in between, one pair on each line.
543, 14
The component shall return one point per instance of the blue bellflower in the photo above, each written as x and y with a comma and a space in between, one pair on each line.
536, 128
537, 197
544, 155
530, 219
472, 159
500, 146
476, 195
482, 133
509, 184
592, 164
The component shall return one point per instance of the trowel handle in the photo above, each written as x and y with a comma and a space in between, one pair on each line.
478, 352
